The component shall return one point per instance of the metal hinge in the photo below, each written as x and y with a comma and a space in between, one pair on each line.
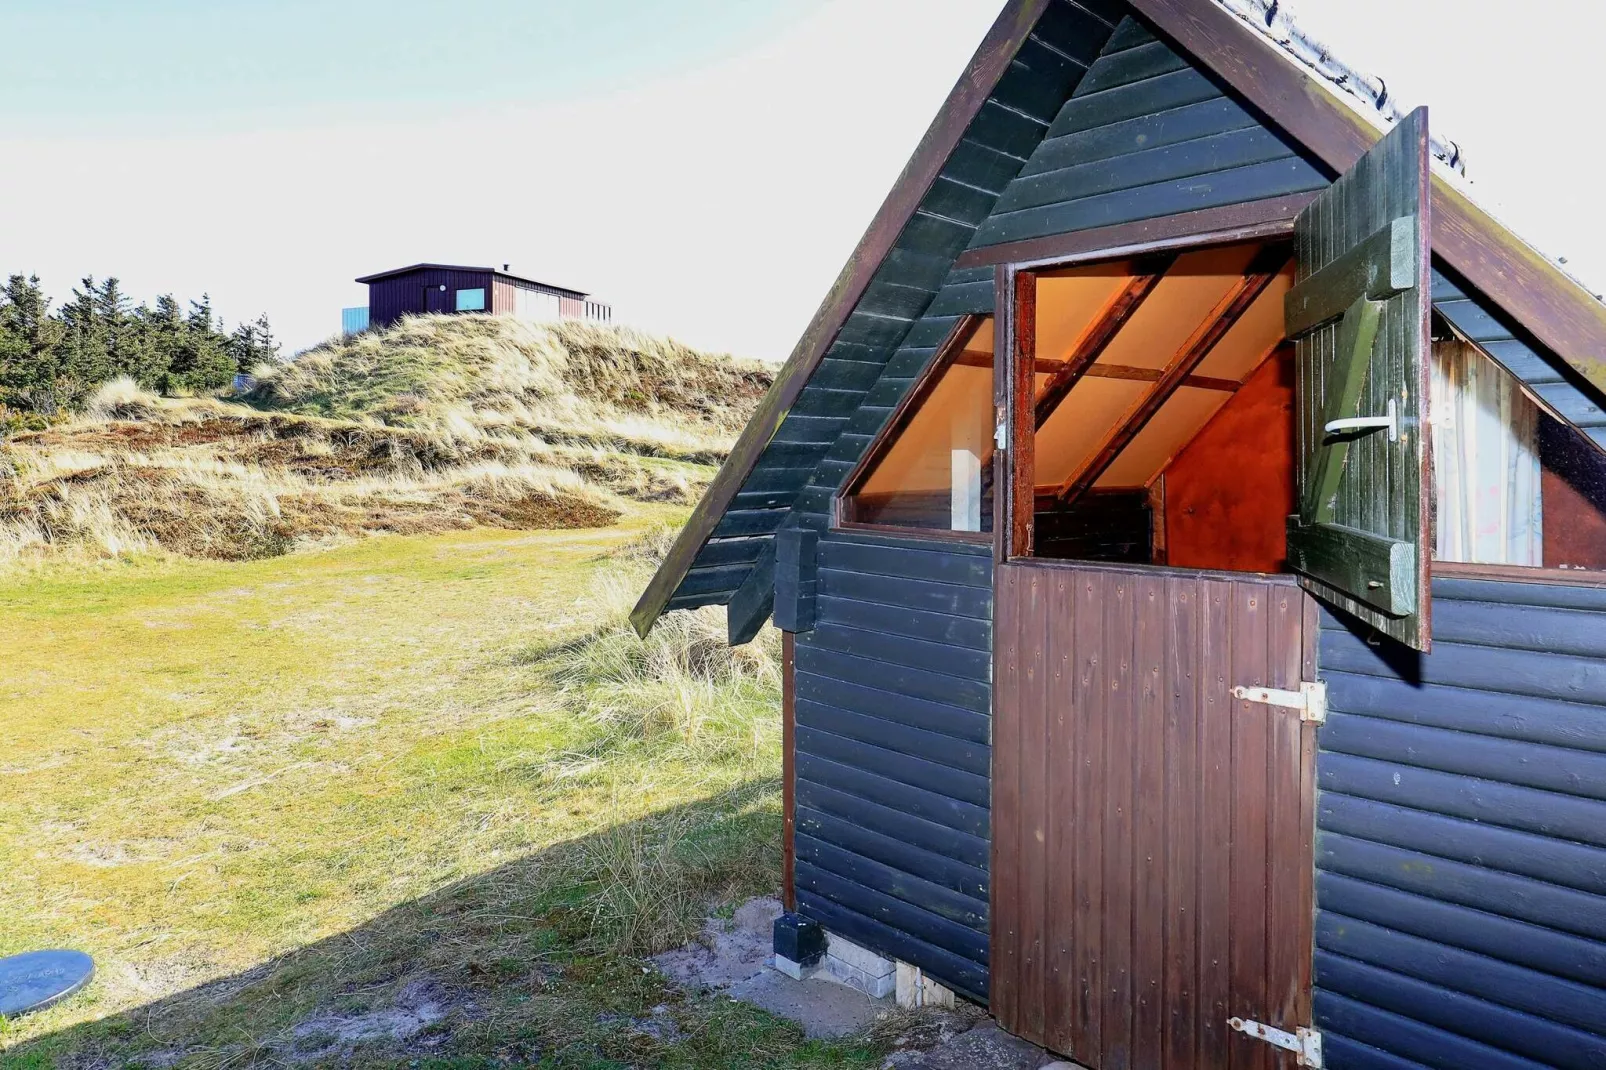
1310, 700
1001, 435
1304, 1043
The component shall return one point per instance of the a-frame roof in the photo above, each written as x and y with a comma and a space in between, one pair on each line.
1058, 90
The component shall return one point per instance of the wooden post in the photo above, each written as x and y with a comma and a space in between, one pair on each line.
788, 772
1014, 387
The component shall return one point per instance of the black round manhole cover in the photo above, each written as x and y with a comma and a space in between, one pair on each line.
37, 979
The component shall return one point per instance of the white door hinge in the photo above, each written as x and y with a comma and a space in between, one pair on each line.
1000, 435
1310, 700
1304, 1043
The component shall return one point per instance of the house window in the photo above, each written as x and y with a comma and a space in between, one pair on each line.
471, 300
931, 468
1513, 484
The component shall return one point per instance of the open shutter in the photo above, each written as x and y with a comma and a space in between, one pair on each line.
1359, 316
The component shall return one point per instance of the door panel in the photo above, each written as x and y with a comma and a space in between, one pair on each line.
1359, 312
1152, 844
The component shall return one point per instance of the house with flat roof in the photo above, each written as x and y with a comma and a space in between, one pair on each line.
452, 289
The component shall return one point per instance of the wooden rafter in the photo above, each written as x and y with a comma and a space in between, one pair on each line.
1152, 375
971, 358
1266, 266
1115, 315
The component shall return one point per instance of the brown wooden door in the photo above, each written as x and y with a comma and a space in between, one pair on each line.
1152, 858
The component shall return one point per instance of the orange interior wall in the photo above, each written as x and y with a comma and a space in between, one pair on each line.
1229, 493
1575, 528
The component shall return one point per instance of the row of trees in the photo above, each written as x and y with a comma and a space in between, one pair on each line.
53, 360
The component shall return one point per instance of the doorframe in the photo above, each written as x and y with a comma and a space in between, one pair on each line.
1015, 322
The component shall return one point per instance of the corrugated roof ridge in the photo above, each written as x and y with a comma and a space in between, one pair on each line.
1273, 21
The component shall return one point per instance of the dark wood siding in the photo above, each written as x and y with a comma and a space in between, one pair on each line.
893, 752
419, 292
1152, 858
1144, 135
1461, 843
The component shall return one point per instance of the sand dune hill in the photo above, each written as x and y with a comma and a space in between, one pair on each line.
439, 423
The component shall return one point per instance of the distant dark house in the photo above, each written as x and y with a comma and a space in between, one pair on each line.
452, 288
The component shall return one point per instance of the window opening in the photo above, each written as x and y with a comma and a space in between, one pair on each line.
1162, 410
931, 468
471, 300
1513, 484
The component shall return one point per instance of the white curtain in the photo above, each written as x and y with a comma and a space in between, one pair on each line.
1485, 461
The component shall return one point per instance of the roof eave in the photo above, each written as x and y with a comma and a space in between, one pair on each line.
471, 270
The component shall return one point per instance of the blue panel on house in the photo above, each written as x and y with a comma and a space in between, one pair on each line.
1461, 836
894, 733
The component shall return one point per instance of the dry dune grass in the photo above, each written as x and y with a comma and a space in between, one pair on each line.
575, 383
442, 423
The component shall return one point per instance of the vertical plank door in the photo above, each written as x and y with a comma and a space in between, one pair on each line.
1152, 861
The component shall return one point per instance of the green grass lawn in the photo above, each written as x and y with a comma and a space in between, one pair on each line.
272, 796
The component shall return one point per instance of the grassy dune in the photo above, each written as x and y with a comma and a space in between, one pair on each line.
440, 423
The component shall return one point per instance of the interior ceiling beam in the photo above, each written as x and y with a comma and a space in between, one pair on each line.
1152, 375
1266, 266
973, 358
1097, 338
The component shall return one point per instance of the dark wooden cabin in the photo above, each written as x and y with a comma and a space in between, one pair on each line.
450, 289
1185, 520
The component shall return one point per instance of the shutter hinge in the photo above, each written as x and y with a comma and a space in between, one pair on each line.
1001, 435
1310, 700
1304, 1043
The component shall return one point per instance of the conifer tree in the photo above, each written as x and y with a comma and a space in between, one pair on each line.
201, 361
30, 360
86, 359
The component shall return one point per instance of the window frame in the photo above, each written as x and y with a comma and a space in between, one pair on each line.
457, 298
842, 502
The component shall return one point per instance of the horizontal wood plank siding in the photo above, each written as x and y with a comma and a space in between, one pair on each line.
1144, 135
1461, 836
893, 751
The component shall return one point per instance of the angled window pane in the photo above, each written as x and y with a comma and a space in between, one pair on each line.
935, 471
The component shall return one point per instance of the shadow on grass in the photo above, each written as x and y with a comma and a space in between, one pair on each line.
533, 963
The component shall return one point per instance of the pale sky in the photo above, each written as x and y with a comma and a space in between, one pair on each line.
706, 166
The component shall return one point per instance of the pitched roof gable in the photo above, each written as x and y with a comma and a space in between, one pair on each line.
1153, 128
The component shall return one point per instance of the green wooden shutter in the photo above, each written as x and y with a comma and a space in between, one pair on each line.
1359, 316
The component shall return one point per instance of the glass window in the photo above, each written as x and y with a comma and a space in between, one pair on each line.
471, 300
933, 468
1513, 485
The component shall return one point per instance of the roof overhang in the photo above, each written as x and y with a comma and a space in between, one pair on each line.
1552, 306
467, 269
